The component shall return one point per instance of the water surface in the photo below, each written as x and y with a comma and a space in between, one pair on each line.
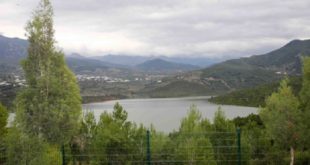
166, 113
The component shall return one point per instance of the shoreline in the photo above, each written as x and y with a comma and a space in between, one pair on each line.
100, 99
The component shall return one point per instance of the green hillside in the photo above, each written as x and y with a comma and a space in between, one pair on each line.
180, 89
238, 74
261, 69
245, 73
254, 97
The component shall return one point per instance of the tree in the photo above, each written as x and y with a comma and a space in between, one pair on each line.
282, 117
50, 105
3, 122
193, 145
304, 99
223, 138
32, 150
80, 144
3, 130
112, 141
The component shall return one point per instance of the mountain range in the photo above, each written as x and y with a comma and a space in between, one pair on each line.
13, 50
129, 60
182, 79
242, 73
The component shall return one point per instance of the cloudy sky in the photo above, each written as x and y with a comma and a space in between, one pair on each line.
213, 28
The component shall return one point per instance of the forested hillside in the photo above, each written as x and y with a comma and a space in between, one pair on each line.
255, 97
249, 72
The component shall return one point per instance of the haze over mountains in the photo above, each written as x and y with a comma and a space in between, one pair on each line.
12, 50
149, 76
135, 60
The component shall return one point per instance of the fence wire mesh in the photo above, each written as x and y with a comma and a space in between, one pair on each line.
214, 148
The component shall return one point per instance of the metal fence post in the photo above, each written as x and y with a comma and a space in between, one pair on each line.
239, 145
63, 155
148, 148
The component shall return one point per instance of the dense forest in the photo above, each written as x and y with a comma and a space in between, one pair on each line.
255, 97
50, 128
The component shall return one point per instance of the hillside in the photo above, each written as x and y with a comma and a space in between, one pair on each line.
179, 89
255, 97
159, 65
251, 71
12, 50
238, 73
220, 78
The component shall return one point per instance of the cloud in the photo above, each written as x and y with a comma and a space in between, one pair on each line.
213, 28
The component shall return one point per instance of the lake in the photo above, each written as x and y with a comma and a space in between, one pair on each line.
166, 113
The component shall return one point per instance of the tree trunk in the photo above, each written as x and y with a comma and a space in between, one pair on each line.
292, 156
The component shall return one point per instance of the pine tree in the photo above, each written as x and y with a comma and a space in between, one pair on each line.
50, 105
282, 117
223, 138
193, 146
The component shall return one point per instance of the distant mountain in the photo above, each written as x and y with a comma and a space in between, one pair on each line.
76, 55
78, 62
159, 65
123, 59
135, 60
259, 69
82, 64
197, 61
286, 59
251, 71
12, 50
222, 77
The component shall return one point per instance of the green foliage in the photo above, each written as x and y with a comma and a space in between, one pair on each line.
255, 97
282, 116
3, 130
116, 139
50, 105
180, 89
24, 149
191, 145
237, 74
159, 144
260, 69
256, 144
80, 145
304, 98
244, 121
3, 122
224, 138
8, 94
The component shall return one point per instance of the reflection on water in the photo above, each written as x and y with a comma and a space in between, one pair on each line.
166, 113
